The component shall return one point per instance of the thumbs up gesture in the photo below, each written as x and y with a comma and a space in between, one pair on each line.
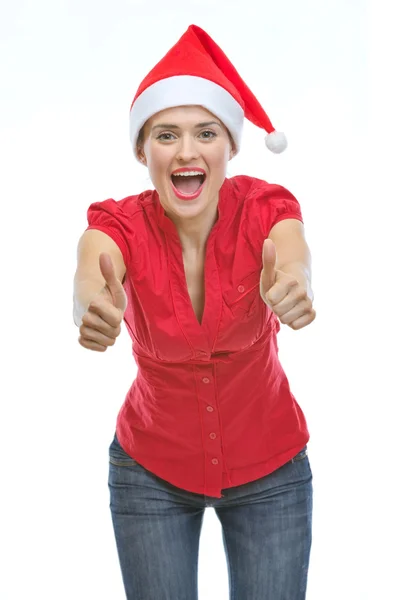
101, 324
285, 295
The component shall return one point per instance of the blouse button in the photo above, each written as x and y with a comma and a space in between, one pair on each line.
210, 409
212, 436
206, 380
241, 289
214, 461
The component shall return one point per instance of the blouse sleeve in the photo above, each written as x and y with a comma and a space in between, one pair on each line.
275, 203
107, 216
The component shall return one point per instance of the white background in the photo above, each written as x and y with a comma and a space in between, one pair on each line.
325, 71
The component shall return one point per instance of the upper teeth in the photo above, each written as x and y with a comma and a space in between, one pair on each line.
189, 173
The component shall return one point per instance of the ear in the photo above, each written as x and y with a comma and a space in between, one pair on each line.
141, 156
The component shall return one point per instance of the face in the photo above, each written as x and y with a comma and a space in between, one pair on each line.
186, 137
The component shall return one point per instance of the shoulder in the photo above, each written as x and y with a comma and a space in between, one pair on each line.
258, 194
263, 204
127, 214
255, 189
126, 207
123, 221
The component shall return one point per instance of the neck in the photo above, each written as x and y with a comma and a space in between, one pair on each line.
194, 233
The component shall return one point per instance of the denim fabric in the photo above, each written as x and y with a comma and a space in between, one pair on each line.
266, 528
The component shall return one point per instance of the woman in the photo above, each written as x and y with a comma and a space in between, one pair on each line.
203, 270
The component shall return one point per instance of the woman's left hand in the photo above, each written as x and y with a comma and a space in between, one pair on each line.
283, 293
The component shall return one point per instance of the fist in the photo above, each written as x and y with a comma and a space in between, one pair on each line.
283, 293
101, 323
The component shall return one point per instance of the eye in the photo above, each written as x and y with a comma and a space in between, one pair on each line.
162, 137
210, 136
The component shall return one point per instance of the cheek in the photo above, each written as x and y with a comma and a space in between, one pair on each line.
219, 162
157, 163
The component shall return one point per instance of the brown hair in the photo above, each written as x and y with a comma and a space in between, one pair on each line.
140, 140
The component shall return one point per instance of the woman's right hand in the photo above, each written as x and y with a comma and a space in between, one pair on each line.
101, 323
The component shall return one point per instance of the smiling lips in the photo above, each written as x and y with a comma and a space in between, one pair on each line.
187, 183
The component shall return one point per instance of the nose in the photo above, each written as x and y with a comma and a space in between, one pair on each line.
187, 149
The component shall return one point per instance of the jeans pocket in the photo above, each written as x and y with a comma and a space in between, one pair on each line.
118, 456
301, 455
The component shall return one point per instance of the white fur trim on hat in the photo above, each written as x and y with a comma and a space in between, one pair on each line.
185, 90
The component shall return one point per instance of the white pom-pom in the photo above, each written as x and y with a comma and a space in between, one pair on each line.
276, 142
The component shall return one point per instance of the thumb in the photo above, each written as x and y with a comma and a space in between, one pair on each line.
112, 281
268, 274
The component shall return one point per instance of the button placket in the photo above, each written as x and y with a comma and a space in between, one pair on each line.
211, 428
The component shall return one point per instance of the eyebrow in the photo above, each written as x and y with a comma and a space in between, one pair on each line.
171, 126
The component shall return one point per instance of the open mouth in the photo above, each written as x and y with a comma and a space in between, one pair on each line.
187, 186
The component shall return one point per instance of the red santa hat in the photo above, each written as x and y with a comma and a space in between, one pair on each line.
195, 71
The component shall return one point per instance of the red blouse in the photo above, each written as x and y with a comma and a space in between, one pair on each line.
211, 406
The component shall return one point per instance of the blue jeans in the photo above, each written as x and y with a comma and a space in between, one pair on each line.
266, 526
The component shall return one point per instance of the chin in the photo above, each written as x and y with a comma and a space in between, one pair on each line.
196, 205
189, 209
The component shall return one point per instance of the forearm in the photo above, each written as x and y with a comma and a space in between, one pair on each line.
84, 292
302, 272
